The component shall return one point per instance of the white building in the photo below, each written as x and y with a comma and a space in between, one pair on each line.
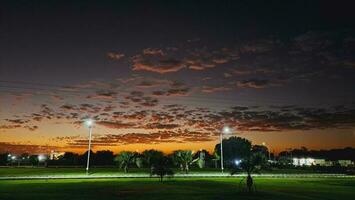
345, 163
55, 155
309, 162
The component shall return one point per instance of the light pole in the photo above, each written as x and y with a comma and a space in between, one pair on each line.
226, 130
268, 150
90, 124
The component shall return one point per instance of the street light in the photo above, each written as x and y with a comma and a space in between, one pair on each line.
226, 130
268, 150
90, 124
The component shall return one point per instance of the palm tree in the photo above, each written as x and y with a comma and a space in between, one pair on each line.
124, 159
252, 163
183, 158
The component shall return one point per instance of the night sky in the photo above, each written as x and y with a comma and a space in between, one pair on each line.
170, 74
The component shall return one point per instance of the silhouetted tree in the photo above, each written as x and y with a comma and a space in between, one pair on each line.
84, 157
234, 148
151, 157
161, 168
124, 159
183, 158
262, 149
3, 158
201, 158
104, 158
253, 162
139, 161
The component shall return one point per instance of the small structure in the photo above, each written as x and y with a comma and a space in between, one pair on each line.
55, 155
309, 162
345, 163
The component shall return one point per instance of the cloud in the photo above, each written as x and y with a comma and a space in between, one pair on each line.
158, 93
4, 127
162, 65
213, 89
151, 51
90, 108
115, 56
178, 91
203, 59
116, 124
253, 83
199, 65
162, 136
173, 60
104, 95
152, 83
31, 128
30, 148
257, 46
149, 101
17, 121
161, 126
68, 107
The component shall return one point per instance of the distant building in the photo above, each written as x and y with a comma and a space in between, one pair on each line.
320, 162
345, 163
55, 155
309, 162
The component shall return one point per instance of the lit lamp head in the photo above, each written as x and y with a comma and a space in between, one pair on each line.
89, 123
41, 158
226, 130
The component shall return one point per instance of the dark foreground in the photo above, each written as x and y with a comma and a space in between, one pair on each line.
191, 188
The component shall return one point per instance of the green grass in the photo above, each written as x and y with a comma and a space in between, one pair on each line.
186, 189
113, 171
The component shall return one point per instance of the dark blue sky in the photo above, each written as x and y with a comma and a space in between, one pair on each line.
291, 64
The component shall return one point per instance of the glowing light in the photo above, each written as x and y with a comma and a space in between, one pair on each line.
237, 162
89, 122
226, 130
41, 157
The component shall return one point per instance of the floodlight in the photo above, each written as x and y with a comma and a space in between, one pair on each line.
237, 162
226, 130
89, 122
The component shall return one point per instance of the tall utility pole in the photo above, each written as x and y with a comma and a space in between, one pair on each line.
90, 124
226, 130
221, 137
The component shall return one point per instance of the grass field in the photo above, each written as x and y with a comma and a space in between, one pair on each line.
191, 188
111, 171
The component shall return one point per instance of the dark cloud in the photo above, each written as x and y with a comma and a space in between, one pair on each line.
68, 107
161, 126
4, 127
163, 136
253, 83
116, 124
104, 95
31, 128
149, 102
151, 51
177, 92
30, 148
115, 55
159, 64
213, 89
17, 121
